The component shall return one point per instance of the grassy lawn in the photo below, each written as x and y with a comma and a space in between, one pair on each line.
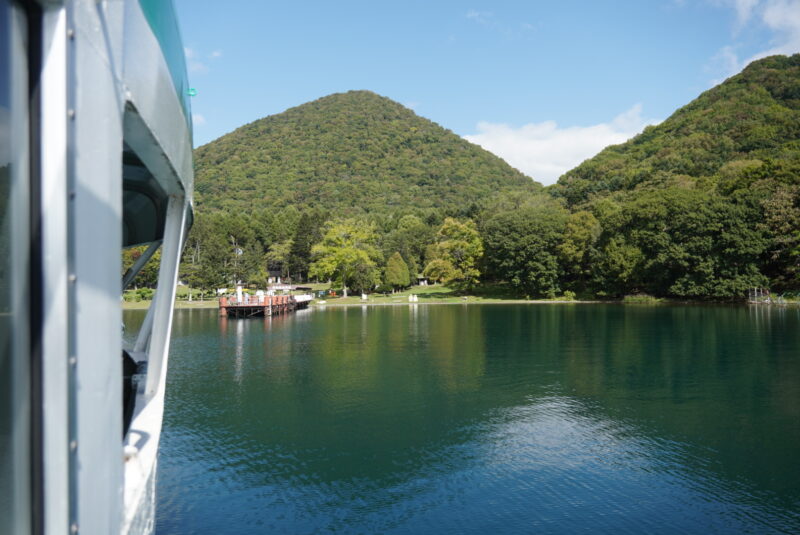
181, 301
434, 294
143, 305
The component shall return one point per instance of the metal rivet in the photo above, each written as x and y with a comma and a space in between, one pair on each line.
73, 528
72, 277
71, 113
71, 195
73, 445
71, 34
73, 361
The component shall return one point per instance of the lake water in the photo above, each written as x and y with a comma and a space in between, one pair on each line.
483, 419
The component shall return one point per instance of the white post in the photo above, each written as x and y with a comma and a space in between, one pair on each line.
55, 248
165, 296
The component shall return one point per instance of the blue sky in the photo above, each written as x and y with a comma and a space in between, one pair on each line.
542, 84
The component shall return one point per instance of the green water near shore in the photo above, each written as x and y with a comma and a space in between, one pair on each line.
503, 418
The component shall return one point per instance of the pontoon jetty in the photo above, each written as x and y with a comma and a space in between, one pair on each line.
243, 305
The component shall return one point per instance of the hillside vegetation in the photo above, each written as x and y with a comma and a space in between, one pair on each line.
352, 153
357, 189
739, 132
706, 203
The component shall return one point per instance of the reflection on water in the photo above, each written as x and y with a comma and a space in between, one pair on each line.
430, 419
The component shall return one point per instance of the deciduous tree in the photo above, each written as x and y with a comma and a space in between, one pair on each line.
347, 254
458, 249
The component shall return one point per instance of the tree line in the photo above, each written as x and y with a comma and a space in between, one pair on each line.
673, 242
704, 205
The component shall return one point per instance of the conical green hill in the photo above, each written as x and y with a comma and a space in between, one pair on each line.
349, 153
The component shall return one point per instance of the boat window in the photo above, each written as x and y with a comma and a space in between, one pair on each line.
14, 355
144, 202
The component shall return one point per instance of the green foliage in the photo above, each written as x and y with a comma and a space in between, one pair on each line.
347, 254
457, 252
522, 247
723, 137
148, 276
221, 250
278, 257
307, 234
440, 270
781, 208
396, 274
577, 248
568, 296
682, 243
139, 294
703, 205
350, 153
409, 238
640, 299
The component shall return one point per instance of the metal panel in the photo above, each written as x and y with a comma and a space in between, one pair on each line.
164, 24
95, 211
55, 338
154, 121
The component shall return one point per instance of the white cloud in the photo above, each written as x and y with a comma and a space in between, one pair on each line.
744, 8
198, 120
780, 17
194, 64
545, 151
783, 17
215, 54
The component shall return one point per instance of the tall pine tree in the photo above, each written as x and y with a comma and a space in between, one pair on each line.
307, 234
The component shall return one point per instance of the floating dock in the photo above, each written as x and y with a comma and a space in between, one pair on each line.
267, 305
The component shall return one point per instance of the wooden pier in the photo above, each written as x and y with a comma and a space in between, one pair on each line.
267, 305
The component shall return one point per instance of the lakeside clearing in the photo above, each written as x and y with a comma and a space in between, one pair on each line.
429, 295
435, 294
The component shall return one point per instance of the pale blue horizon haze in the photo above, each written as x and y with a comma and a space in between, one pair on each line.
544, 85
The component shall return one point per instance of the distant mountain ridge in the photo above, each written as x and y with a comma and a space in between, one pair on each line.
733, 134
349, 152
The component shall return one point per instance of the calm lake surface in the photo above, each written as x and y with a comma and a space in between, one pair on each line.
483, 419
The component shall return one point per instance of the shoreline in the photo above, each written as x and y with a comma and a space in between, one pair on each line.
206, 305
463, 302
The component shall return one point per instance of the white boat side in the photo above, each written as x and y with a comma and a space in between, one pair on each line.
111, 167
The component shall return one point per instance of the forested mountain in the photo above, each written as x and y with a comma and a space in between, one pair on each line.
704, 204
354, 152
351, 186
734, 134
